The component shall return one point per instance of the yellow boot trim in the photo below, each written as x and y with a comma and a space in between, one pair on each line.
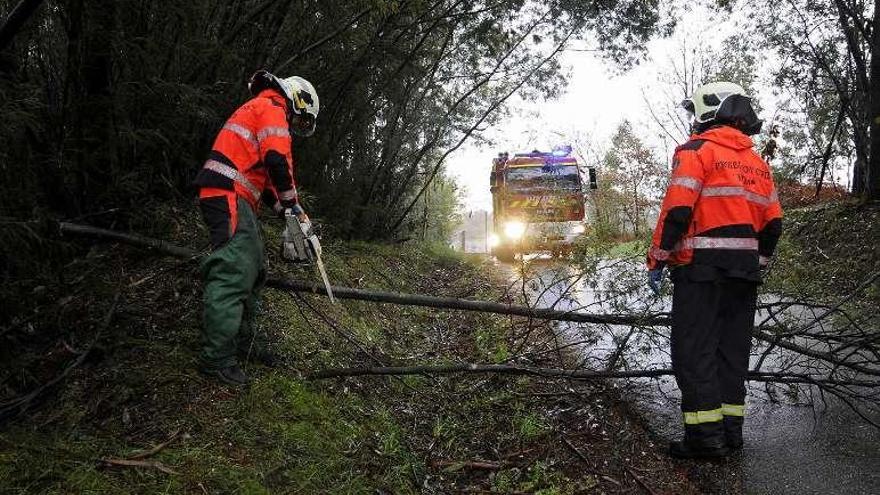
733, 409
698, 417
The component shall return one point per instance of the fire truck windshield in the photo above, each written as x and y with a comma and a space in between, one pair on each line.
547, 177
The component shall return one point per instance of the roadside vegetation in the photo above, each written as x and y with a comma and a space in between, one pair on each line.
110, 108
830, 252
138, 388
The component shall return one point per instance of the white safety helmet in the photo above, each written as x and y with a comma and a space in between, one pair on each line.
305, 102
723, 102
300, 93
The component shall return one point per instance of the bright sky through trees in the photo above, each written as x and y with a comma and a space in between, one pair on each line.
597, 99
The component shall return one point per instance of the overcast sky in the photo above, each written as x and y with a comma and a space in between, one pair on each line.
596, 100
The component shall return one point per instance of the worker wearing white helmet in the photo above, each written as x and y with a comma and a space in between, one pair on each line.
251, 160
722, 103
718, 226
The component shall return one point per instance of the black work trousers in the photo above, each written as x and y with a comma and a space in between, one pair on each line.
712, 324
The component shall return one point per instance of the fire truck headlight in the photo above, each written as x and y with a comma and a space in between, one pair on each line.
494, 241
579, 229
514, 229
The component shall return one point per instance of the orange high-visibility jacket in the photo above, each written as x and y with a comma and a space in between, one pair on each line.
252, 155
721, 208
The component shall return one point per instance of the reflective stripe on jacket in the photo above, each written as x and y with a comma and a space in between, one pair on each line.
252, 153
721, 208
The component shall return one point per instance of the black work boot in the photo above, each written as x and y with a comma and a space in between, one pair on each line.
230, 375
733, 431
704, 440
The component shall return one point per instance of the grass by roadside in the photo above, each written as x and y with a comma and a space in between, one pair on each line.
286, 433
826, 253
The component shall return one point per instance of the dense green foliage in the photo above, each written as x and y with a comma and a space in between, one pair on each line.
114, 104
829, 81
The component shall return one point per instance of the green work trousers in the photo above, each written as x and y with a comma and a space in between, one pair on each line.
234, 275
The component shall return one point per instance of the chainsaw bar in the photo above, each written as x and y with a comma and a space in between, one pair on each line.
320, 265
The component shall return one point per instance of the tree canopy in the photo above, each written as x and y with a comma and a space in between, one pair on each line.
114, 104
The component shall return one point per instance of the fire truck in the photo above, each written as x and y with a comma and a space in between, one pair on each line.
537, 202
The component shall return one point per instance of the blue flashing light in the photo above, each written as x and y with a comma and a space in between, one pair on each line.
558, 152
561, 151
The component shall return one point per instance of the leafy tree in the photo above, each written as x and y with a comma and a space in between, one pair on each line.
631, 180
695, 63
110, 107
828, 48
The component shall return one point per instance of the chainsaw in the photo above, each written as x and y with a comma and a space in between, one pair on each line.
299, 244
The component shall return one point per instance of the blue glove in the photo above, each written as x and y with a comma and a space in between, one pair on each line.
655, 278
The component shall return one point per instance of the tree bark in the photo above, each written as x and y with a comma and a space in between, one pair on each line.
470, 305
131, 239
826, 156
872, 171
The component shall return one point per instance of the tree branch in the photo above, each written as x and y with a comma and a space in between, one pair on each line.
323, 40
132, 239
573, 374
16, 20
468, 305
473, 127
487, 368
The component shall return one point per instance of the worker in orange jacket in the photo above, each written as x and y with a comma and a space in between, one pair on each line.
251, 160
718, 227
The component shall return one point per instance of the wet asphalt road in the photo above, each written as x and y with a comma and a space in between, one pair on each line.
825, 449
789, 449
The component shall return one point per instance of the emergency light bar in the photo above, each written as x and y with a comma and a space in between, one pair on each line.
561, 150
558, 152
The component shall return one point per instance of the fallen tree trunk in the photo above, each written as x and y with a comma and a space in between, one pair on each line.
469, 305
486, 368
133, 239
660, 319
576, 374
380, 296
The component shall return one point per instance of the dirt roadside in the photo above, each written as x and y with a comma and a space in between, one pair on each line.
137, 397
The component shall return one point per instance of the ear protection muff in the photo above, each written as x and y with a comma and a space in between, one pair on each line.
259, 81
737, 111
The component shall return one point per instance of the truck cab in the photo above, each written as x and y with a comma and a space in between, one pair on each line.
537, 202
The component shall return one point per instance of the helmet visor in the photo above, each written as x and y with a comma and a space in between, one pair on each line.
303, 125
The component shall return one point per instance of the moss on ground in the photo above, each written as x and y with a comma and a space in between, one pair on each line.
287, 433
